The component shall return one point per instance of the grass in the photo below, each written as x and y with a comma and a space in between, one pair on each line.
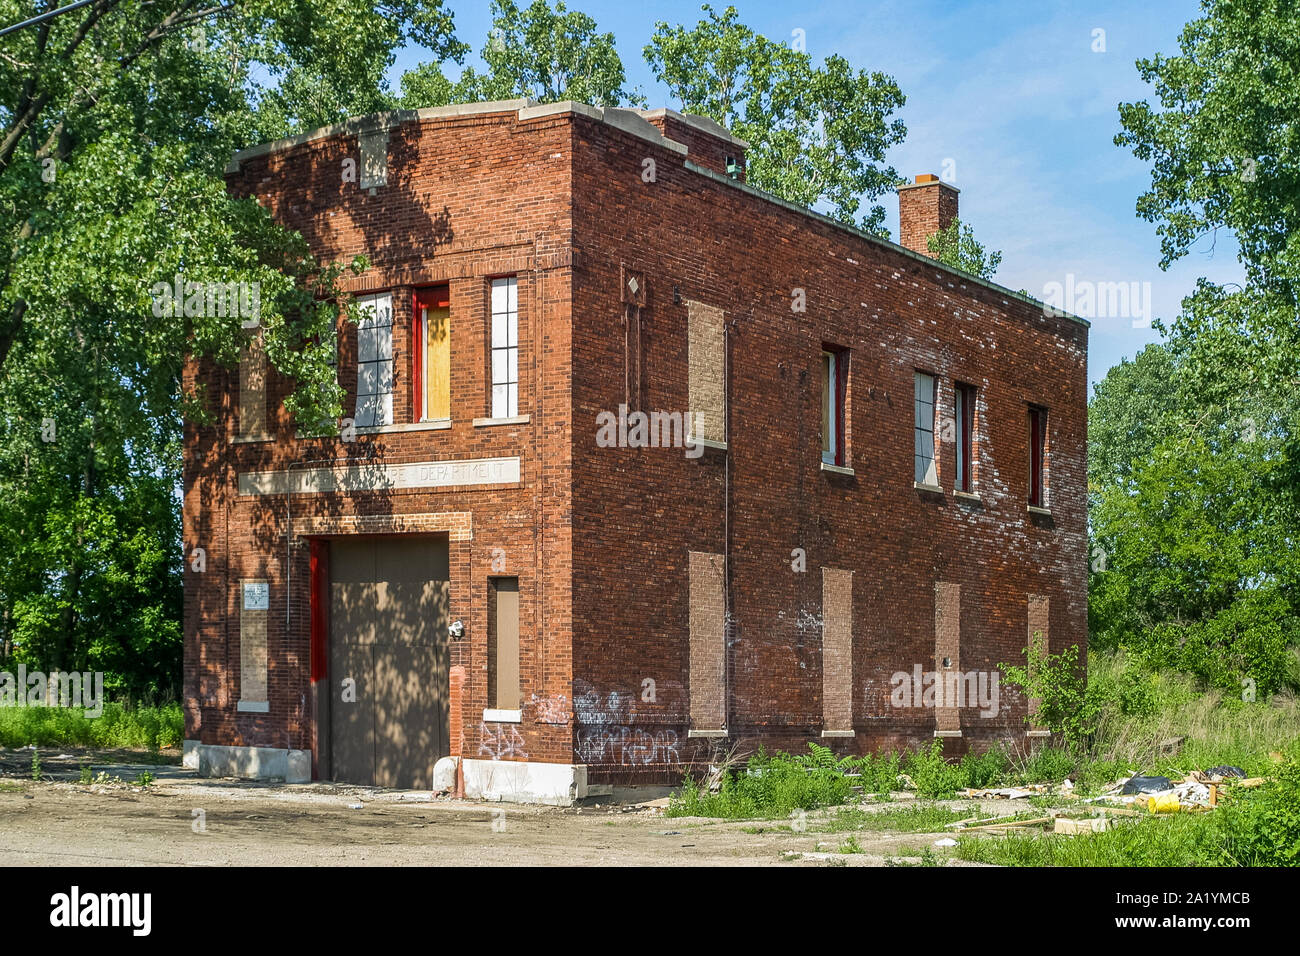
146, 728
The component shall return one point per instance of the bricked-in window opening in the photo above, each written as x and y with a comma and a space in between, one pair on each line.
252, 389
431, 354
503, 644
254, 603
926, 470
964, 413
1037, 456
706, 356
835, 374
374, 360
505, 348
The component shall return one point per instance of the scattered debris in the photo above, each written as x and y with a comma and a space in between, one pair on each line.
354, 806
1140, 784
1227, 770
1008, 793
946, 841
1073, 827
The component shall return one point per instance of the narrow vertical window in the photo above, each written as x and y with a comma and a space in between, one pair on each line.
431, 354
964, 396
505, 348
503, 644
835, 368
374, 360
1037, 457
926, 470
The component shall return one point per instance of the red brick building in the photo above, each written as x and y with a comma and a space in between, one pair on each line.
638, 463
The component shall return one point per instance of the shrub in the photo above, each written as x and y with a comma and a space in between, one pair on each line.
933, 775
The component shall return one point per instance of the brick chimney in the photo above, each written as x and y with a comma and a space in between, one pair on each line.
925, 207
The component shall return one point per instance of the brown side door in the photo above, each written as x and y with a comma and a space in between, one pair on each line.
388, 636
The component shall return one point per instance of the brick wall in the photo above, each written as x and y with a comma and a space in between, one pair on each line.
467, 198
639, 513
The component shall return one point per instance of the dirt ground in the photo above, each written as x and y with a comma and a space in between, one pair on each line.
180, 819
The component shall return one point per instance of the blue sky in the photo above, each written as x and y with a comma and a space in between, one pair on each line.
1014, 99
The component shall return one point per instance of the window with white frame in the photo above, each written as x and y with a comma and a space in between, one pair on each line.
374, 360
505, 348
926, 470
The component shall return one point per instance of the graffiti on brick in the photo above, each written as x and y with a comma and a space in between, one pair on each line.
628, 746
550, 710
500, 742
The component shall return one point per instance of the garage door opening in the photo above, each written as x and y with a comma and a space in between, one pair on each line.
388, 663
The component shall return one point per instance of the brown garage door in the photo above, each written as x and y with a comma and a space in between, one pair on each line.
388, 633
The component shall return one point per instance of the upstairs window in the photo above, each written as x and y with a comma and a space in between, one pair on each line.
926, 471
431, 354
835, 370
964, 398
374, 360
505, 348
1037, 457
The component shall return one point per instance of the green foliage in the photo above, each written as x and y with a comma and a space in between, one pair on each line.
539, 52
985, 770
817, 134
87, 774
769, 787
144, 779
957, 246
36, 766
116, 125
1261, 827
141, 728
1059, 683
934, 776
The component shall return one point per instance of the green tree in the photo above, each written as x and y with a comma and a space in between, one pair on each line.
817, 134
116, 123
957, 246
1200, 533
539, 52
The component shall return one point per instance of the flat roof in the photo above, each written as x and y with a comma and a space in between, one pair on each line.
635, 123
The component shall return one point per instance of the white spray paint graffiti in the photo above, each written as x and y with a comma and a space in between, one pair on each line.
605, 731
628, 746
551, 710
500, 742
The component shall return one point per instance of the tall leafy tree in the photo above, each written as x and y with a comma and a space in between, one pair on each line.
957, 246
1200, 532
543, 52
116, 123
817, 133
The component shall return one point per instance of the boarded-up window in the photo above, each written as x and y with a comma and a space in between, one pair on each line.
374, 360
923, 401
503, 643
837, 650
947, 657
505, 348
708, 619
254, 603
252, 390
431, 354
706, 352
